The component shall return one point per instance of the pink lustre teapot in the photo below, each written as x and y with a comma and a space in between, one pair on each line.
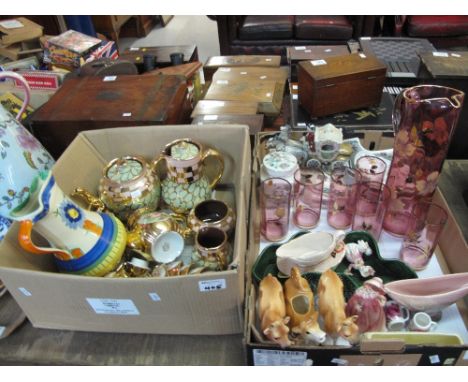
83, 242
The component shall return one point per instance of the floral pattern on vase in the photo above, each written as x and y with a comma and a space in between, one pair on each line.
424, 119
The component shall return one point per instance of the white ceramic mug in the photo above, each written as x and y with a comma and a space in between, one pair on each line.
422, 322
397, 316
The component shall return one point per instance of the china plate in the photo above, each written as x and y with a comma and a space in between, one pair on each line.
387, 270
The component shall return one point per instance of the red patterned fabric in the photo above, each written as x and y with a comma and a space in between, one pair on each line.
323, 27
436, 26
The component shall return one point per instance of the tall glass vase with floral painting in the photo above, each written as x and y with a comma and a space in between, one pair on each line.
424, 119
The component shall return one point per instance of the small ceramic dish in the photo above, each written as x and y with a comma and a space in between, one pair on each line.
167, 247
417, 338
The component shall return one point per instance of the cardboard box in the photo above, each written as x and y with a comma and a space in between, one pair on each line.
173, 305
17, 30
386, 352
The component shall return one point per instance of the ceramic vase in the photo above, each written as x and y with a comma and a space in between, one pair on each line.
21, 159
424, 119
186, 184
83, 242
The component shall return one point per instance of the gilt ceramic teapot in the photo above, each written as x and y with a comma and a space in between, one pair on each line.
186, 185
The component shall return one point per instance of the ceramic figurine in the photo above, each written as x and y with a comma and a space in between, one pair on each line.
354, 254
300, 308
272, 311
368, 304
331, 303
311, 252
129, 183
186, 184
213, 213
327, 142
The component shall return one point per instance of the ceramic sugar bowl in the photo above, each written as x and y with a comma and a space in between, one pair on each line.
129, 183
186, 184
213, 213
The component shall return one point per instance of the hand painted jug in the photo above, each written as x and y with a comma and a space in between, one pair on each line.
186, 185
424, 120
21, 158
83, 242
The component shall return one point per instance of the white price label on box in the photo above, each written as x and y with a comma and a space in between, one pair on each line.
318, 62
25, 291
299, 47
126, 114
307, 51
154, 296
362, 55
134, 49
243, 73
210, 118
327, 50
109, 78
339, 361
295, 96
434, 359
440, 54
211, 285
268, 59
455, 55
295, 87
222, 82
263, 77
264, 357
224, 69
11, 24
113, 306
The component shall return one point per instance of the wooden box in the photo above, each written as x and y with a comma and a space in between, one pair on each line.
215, 62
91, 103
204, 107
268, 94
295, 54
340, 83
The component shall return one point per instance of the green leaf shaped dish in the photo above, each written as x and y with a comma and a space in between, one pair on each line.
387, 270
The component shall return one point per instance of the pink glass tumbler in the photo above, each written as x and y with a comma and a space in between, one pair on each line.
425, 226
344, 187
275, 197
308, 188
372, 168
371, 206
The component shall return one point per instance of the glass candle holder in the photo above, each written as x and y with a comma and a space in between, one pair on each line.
425, 226
275, 198
308, 189
371, 206
344, 186
372, 168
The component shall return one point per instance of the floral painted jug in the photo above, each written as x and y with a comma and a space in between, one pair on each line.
84, 242
21, 158
186, 185
424, 119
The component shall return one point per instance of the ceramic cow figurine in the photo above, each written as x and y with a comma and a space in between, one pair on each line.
332, 309
300, 308
272, 311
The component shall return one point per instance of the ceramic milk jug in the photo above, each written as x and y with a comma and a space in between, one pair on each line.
186, 185
21, 159
83, 242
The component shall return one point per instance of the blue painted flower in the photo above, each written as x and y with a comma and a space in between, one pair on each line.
4, 225
71, 215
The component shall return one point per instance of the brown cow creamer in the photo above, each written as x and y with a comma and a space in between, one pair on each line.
332, 309
272, 311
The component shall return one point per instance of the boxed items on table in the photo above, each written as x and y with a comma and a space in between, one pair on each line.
402, 316
340, 83
200, 292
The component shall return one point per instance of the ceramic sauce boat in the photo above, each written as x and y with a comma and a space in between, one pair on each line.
429, 294
186, 185
311, 252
